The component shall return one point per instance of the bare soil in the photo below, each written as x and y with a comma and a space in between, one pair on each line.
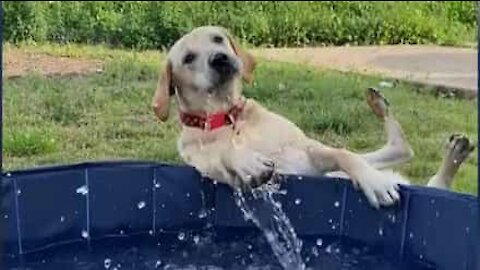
17, 63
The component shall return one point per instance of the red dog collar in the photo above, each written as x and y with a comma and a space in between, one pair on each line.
212, 121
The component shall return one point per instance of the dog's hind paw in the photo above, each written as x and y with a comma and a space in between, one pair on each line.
377, 102
458, 148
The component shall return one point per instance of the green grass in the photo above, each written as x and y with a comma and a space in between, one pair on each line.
61, 120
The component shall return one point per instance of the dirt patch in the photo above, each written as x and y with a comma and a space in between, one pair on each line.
17, 63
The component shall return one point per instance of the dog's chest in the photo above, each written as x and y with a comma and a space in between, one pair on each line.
285, 151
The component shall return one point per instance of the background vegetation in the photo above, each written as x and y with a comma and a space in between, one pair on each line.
145, 24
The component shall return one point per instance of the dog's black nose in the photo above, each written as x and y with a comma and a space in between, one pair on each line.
221, 63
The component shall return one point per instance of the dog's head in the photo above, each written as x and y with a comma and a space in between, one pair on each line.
204, 69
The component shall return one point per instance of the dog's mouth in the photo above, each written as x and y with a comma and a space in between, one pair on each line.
221, 84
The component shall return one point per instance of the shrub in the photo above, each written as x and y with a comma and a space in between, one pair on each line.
145, 24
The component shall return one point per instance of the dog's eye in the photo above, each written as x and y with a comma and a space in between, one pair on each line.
217, 39
189, 58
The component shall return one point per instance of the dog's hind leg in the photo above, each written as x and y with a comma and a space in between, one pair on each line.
457, 150
396, 150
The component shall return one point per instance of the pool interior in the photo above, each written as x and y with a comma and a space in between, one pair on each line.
212, 249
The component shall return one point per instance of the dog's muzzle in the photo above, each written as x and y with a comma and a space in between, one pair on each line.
224, 65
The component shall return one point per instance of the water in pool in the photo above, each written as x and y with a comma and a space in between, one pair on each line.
210, 250
274, 245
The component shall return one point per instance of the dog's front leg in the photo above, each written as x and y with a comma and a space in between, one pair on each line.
378, 189
237, 166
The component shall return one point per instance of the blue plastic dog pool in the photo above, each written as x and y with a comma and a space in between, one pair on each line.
140, 215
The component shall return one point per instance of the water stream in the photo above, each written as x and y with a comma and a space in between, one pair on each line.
268, 216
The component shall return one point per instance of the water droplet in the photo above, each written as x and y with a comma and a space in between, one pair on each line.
181, 236
122, 232
337, 204
249, 247
455, 161
157, 185
158, 263
163, 205
330, 221
421, 257
380, 231
319, 242
9, 174
19, 192
333, 227
82, 190
328, 249
84, 234
62, 219
467, 230
437, 214
141, 204
196, 239
393, 218
188, 194
150, 232
202, 213
410, 235
298, 201
337, 250
270, 236
300, 178
107, 263
5, 216
432, 201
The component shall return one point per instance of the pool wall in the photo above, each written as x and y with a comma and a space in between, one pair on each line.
43, 207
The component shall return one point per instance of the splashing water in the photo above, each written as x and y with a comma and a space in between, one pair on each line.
274, 224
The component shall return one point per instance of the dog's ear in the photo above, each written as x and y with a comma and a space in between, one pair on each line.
248, 61
165, 89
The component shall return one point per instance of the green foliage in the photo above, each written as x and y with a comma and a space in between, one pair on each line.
146, 24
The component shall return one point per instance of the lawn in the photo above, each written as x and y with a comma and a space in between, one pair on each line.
57, 120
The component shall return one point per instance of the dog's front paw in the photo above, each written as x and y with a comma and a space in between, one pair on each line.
381, 189
254, 170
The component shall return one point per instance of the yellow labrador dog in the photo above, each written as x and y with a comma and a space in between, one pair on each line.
235, 140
